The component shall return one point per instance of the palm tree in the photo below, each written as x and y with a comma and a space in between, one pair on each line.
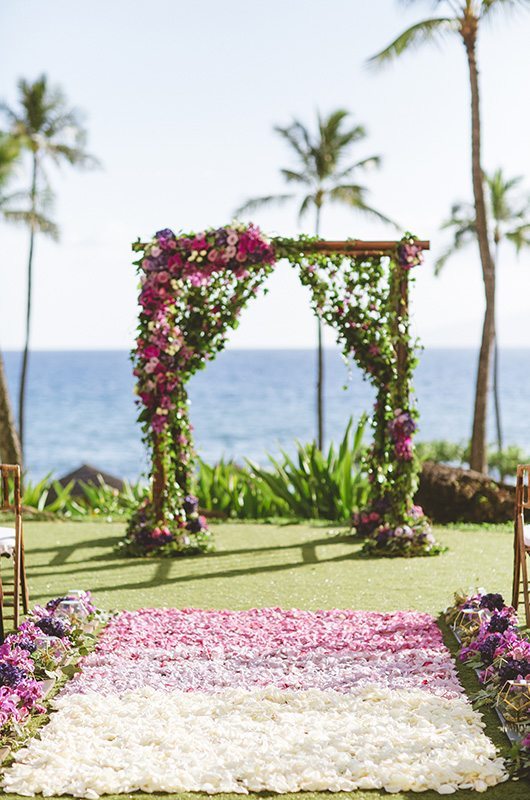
50, 131
508, 220
10, 451
320, 176
463, 18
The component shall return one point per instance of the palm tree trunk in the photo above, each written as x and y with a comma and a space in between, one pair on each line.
320, 362
10, 452
479, 456
496, 385
25, 356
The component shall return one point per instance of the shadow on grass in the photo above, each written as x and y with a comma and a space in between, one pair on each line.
164, 567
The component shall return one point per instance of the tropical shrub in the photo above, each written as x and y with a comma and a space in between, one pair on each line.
314, 485
310, 485
500, 462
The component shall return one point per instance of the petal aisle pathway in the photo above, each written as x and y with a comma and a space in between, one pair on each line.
237, 701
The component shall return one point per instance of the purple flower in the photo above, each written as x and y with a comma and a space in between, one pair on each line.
499, 624
51, 605
410, 254
513, 668
10, 675
191, 504
493, 602
165, 233
25, 643
197, 525
52, 626
487, 648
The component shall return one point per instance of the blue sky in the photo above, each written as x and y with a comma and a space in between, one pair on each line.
180, 100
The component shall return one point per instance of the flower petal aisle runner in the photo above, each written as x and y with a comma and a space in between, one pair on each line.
239, 701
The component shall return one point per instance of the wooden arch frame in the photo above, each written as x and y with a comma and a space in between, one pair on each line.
296, 250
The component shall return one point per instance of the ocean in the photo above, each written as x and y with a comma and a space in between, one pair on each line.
81, 409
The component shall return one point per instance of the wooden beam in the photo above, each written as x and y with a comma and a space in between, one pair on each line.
357, 247
354, 248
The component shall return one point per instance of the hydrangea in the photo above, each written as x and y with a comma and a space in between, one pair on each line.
493, 602
499, 623
10, 675
53, 626
512, 669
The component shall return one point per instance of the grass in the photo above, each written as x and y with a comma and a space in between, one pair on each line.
276, 565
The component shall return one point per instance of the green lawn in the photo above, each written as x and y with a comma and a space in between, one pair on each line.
275, 565
263, 565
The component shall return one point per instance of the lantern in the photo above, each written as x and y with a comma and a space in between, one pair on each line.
513, 702
467, 623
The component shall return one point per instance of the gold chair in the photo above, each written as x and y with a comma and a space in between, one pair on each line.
12, 547
521, 542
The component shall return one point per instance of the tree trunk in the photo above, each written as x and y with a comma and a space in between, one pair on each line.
320, 363
478, 459
159, 477
10, 452
496, 382
25, 356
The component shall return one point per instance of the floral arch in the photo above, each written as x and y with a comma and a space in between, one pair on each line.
193, 288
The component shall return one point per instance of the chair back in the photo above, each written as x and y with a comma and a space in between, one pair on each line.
10, 495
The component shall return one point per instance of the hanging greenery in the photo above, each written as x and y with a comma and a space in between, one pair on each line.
192, 289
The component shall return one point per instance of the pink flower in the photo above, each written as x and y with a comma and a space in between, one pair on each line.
174, 261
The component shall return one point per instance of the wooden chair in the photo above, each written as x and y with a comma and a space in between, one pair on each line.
521, 542
12, 547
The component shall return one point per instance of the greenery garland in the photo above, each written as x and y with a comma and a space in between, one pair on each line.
192, 289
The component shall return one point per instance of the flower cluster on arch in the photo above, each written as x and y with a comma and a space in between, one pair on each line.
193, 288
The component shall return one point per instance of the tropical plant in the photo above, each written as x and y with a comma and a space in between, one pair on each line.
51, 132
320, 177
463, 19
441, 451
509, 220
319, 486
230, 490
501, 462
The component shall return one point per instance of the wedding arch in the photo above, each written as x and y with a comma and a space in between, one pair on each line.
193, 288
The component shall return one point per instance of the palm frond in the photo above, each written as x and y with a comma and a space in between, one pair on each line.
490, 6
297, 136
353, 195
307, 202
33, 219
460, 241
256, 203
519, 237
370, 161
294, 177
73, 156
428, 30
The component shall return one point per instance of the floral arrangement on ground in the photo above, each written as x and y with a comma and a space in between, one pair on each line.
260, 700
37, 659
494, 646
412, 537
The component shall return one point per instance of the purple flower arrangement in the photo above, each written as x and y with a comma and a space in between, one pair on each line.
499, 652
401, 428
39, 649
410, 254
187, 533
412, 537
192, 290
170, 265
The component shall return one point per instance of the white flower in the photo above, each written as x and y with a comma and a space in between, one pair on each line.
260, 740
